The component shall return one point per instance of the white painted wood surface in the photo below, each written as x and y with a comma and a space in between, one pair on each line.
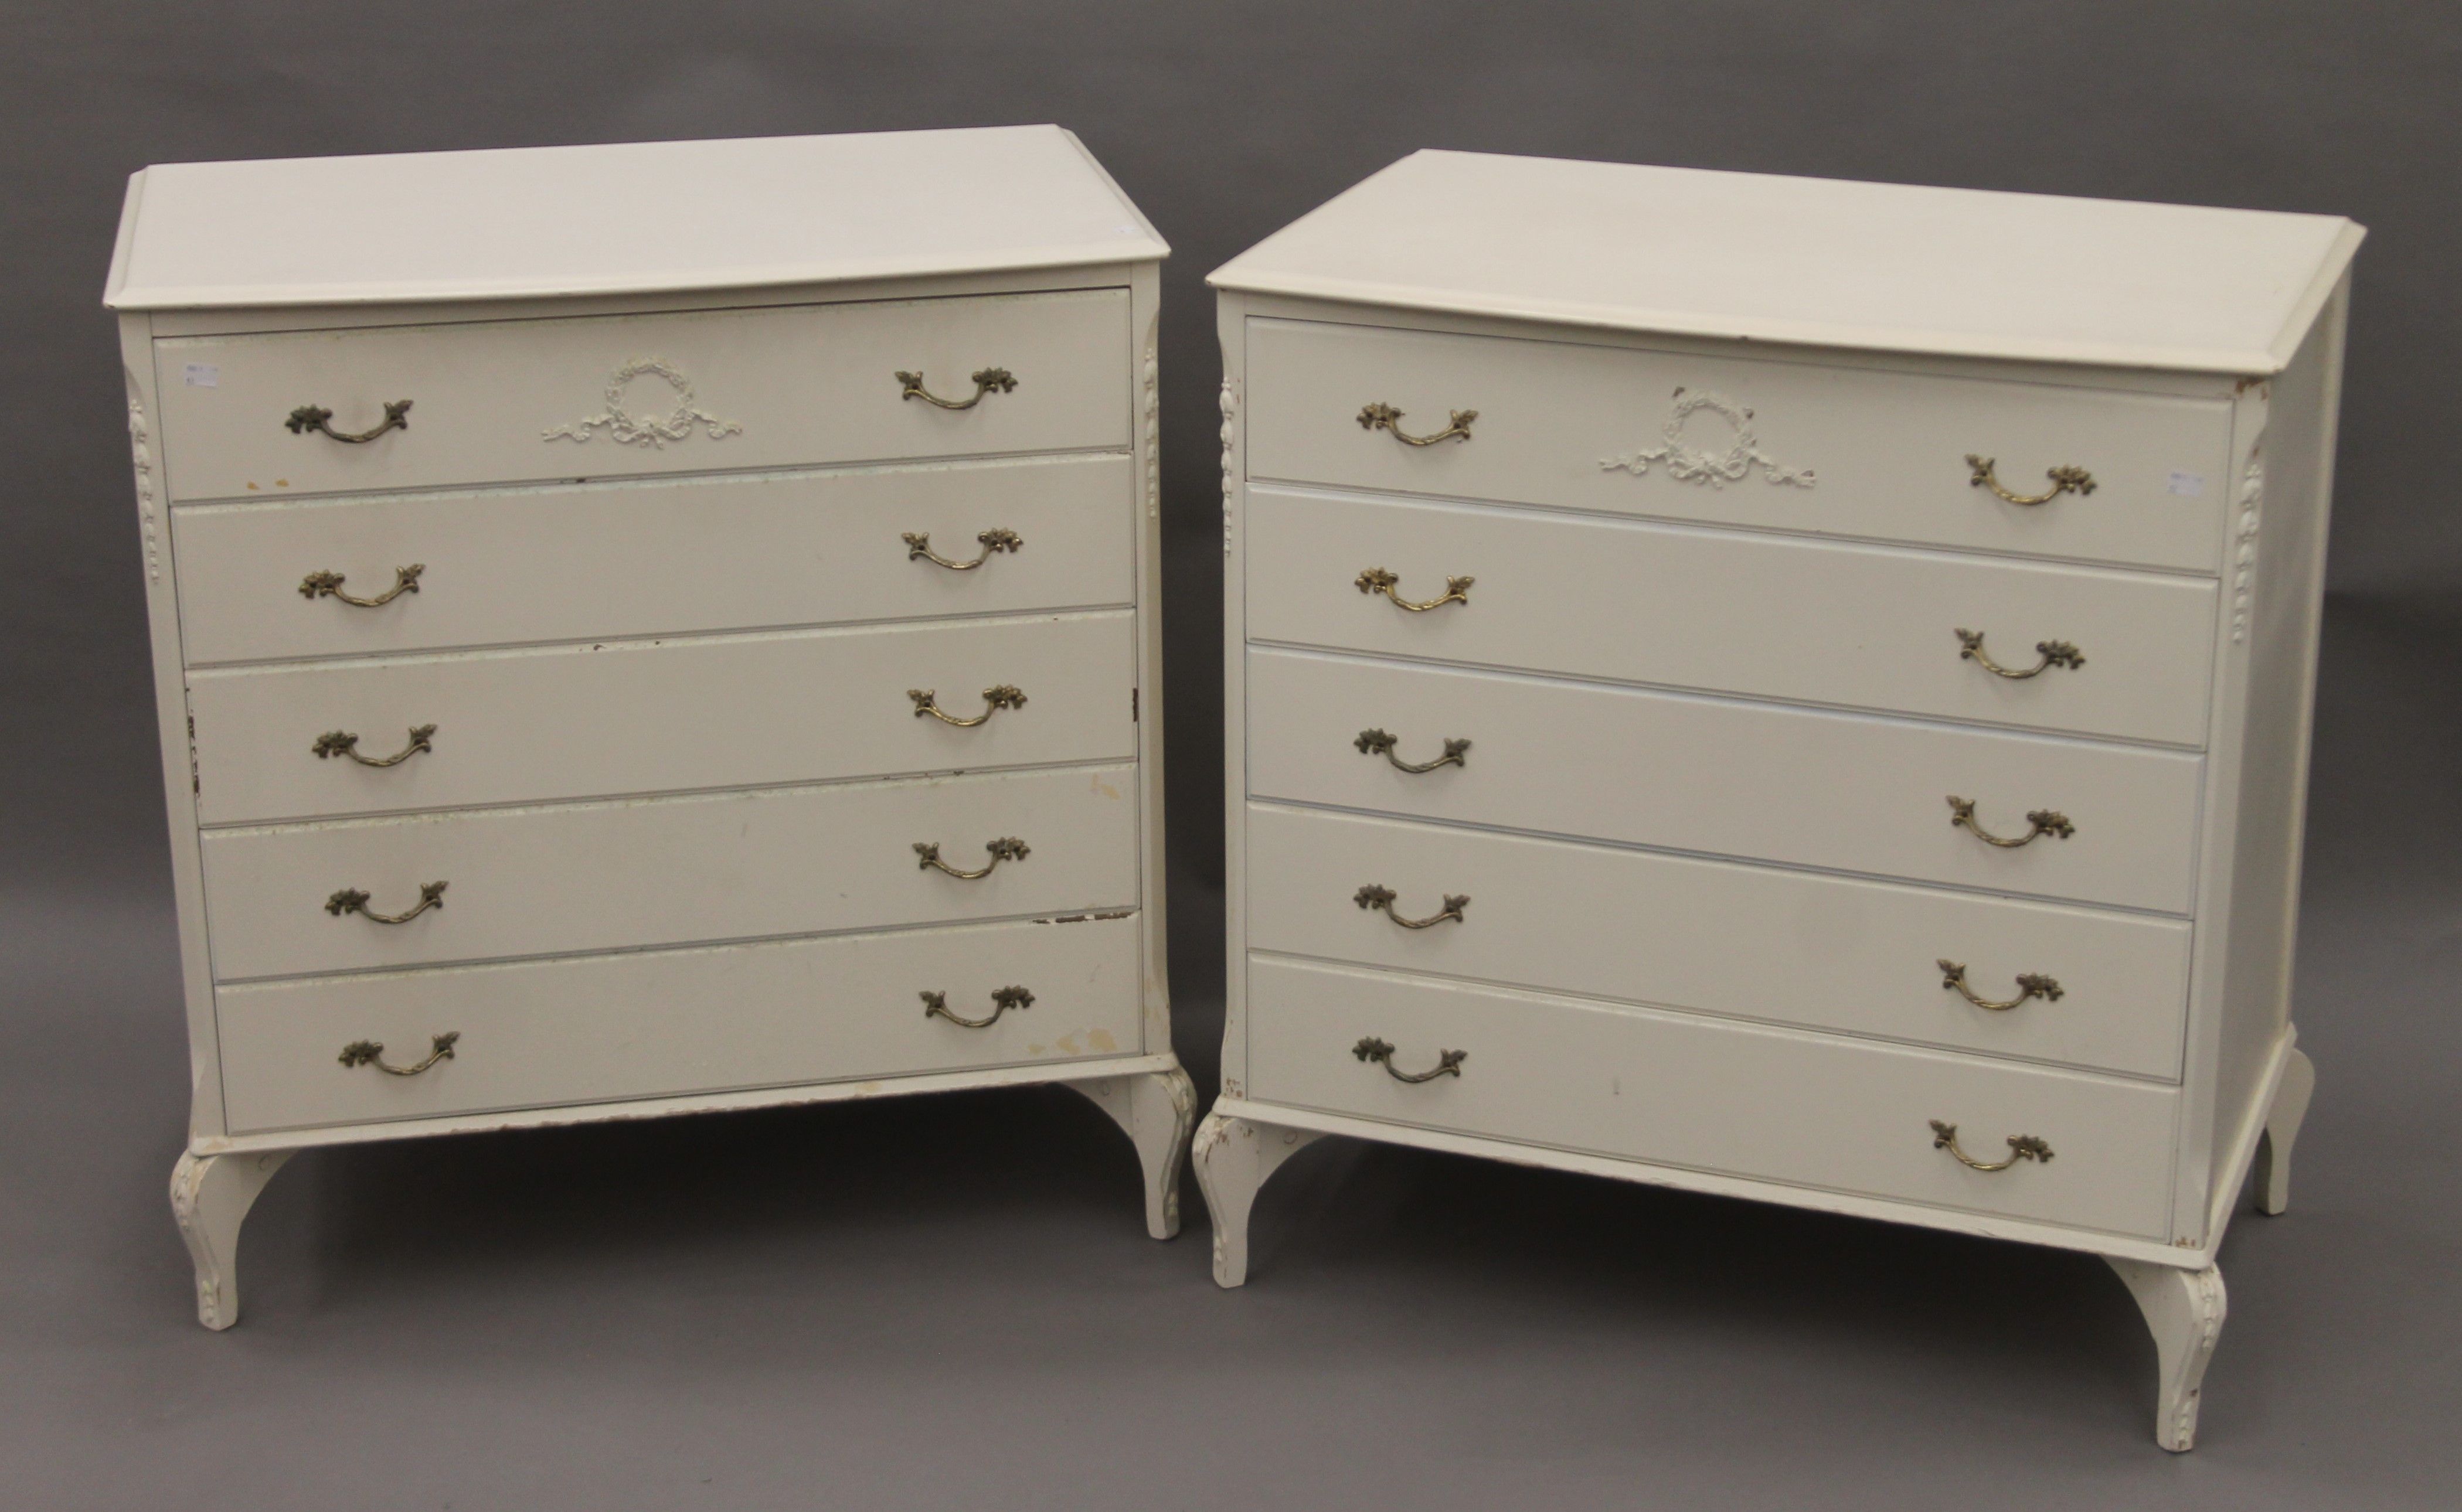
623, 219
647, 627
1677, 1090
1657, 930
1719, 777
594, 719
514, 401
1156, 1109
2184, 1310
573, 877
636, 1024
1719, 472
1765, 258
1856, 626
1885, 451
648, 559
210, 1197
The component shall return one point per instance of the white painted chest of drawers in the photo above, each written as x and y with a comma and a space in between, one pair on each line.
651, 629
1789, 689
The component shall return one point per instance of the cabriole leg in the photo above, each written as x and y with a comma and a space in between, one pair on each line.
209, 1197
2185, 1310
1154, 1109
2282, 1123
1234, 1157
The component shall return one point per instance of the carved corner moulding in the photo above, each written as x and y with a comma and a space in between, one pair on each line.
2251, 511
1230, 434
1154, 429
626, 429
1688, 463
141, 451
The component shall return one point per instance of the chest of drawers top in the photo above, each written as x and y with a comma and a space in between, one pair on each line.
640, 218
1815, 262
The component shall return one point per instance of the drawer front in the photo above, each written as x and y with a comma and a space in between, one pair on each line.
1867, 627
676, 871
650, 716
1839, 792
670, 1023
1744, 941
652, 558
1768, 1103
1886, 452
526, 400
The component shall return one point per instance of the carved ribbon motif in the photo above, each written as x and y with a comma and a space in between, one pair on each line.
1688, 463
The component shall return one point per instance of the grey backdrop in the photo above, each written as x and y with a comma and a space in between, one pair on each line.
950, 1305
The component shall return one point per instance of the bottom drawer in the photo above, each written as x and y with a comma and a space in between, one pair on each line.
1769, 1104
670, 1023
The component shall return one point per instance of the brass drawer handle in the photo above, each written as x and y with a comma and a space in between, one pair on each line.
313, 417
1448, 1062
998, 696
1385, 417
1007, 848
936, 1005
1377, 580
342, 742
2064, 480
1382, 898
2042, 821
371, 1052
2031, 984
2055, 654
329, 585
919, 542
2021, 1147
1377, 742
987, 380
351, 900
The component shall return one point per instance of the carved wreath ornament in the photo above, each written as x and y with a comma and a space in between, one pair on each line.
627, 430
1688, 463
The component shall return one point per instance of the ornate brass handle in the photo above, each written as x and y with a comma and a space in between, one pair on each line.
919, 542
1007, 848
329, 585
351, 900
987, 380
1385, 417
2031, 984
2044, 821
1377, 580
2021, 1147
342, 742
1377, 742
371, 1052
998, 696
1382, 898
2055, 654
313, 417
936, 1005
2064, 480
1448, 1062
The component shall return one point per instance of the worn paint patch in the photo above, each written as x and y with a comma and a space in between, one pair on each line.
1101, 1040
1066, 1045
1105, 789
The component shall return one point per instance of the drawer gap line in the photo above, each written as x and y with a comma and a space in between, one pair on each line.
1807, 868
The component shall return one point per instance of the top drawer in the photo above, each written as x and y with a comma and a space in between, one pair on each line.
1784, 445
523, 400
